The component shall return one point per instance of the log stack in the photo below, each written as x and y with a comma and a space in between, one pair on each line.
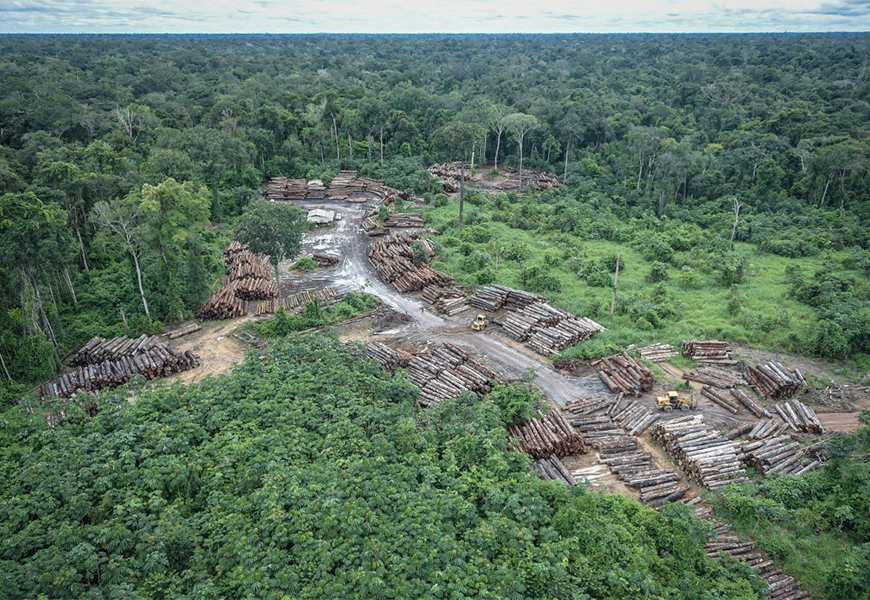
393, 258
657, 352
539, 180
284, 189
547, 329
718, 397
390, 358
547, 435
779, 454
295, 303
774, 380
158, 360
324, 260
705, 455
224, 304
552, 469
717, 377
799, 416
409, 220
625, 374
494, 297
347, 185
449, 174
751, 404
635, 418
782, 586
766, 428
251, 288
712, 351
99, 349
443, 373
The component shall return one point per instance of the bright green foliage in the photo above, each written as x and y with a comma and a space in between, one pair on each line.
310, 473
306, 263
174, 211
272, 228
283, 323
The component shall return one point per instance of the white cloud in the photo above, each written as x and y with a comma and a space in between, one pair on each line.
417, 16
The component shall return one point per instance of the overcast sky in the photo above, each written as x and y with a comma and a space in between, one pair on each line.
426, 16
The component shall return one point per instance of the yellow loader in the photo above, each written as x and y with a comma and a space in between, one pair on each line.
673, 400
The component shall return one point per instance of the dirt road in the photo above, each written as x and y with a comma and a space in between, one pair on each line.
355, 272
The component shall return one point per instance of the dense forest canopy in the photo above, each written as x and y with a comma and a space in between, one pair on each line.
116, 152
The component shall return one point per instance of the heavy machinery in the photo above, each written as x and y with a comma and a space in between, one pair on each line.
673, 400
480, 323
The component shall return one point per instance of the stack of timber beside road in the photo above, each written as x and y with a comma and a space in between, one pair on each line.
396, 261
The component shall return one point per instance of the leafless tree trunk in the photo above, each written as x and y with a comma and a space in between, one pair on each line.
5, 370
382, 145
135, 255
46, 324
69, 284
499, 129
335, 133
567, 152
615, 283
737, 206
461, 191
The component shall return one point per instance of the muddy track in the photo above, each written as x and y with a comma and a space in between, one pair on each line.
351, 242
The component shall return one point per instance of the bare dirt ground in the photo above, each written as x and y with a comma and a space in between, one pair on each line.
218, 350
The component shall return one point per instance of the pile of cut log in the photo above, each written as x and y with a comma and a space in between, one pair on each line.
451, 306
657, 352
183, 330
721, 398
799, 416
780, 454
762, 430
546, 435
711, 351
539, 180
295, 303
637, 469
782, 586
323, 260
158, 360
552, 469
346, 185
99, 349
224, 304
747, 400
595, 417
411, 220
774, 380
390, 358
449, 174
373, 228
249, 277
625, 374
393, 258
494, 297
547, 329
443, 373
717, 377
448, 371
633, 417
705, 455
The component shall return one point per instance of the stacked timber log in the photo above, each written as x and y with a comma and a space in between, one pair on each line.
393, 258
537, 179
751, 404
634, 418
443, 373
183, 330
712, 351
247, 265
780, 454
158, 360
799, 416
625, 374
282, 188
717, 377
547, 329
295, 303
390, 358
587, 406
410, 220
782, 586
99, 349
324, 260
740, 430
774, 380
316, 190
637, 469
224, 304
766, 428
346, 185
705, 455
251, 288
494, 297
451, 306
373, 228
552, 469
547, 435
449, 174
596, 416
657, 352
721, 398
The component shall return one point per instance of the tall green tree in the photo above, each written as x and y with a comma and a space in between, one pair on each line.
272, 228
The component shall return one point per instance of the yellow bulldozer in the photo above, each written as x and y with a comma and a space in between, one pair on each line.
673, 400
480, 323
